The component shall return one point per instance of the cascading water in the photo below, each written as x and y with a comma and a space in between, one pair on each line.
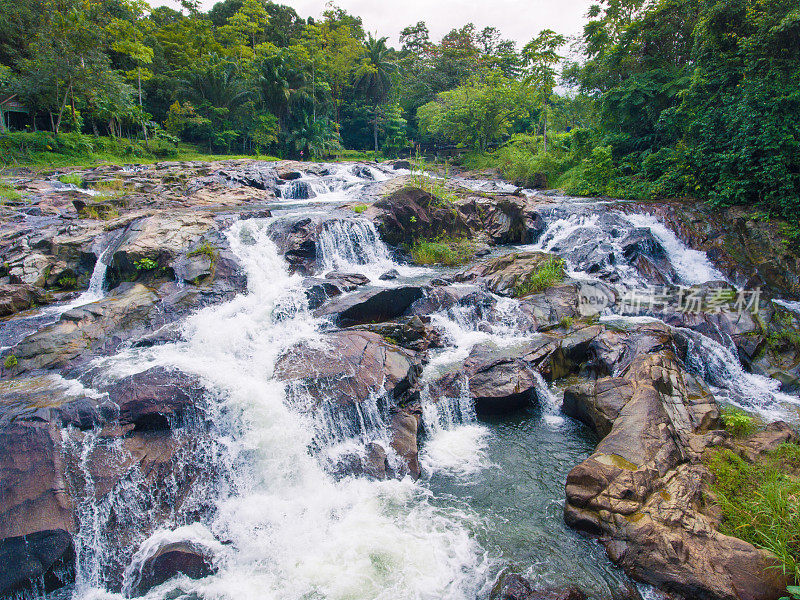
720, 367
353, 246
291, 530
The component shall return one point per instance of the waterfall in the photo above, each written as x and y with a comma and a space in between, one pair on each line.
692, 266
719, 367
291, 530
551, 406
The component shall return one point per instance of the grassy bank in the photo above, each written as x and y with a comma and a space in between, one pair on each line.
760, 501
43, 150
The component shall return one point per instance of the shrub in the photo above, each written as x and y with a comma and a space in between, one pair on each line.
9, 193
544, 276
145, 264
359, 208
10, 362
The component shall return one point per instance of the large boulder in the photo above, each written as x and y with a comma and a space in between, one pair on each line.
412, 213
38, 562
505, 274
516, 587
370, 305
643, 489
87, 328
171, 559
17, 297
347, 367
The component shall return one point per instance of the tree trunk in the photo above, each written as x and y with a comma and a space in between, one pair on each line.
545, 130
57, 127
375, 130
2, 121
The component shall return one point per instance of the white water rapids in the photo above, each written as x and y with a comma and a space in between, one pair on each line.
282, 527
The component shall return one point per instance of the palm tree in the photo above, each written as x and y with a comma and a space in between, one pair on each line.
375, 76
218, 82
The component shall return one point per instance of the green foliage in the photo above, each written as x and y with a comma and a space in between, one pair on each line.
544, 276
207, 250
443, 251
71, 179
10, 362
9, 193
67, 282
737, 422
759, 501
360, 208
145, 264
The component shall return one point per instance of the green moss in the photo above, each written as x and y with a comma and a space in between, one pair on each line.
359, 208
759, 501
10, 362
67, 282
99, 212
546, 275
443, 251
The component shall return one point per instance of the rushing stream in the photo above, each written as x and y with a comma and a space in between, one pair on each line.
281, 525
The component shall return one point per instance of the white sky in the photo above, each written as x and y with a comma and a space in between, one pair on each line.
519, 20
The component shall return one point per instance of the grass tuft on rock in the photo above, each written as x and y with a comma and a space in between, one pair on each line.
760, 502
546, 275
443, 251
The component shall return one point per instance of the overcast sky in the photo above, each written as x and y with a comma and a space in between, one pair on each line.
519, 20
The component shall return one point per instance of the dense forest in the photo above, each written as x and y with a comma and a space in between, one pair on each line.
657, 98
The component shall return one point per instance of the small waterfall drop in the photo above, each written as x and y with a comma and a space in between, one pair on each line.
719, 367
353, 246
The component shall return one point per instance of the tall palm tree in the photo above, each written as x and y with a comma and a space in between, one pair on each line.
375, 76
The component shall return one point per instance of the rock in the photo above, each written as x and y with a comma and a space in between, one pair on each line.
389, 275
642, 490
291, 175
404, 425
85, 329
401, 164
411, 213
347, 281
411, 332
502, 220
597, 403
499, 383
319, 291
516, 587
297, 241
348, 367
18, 297
186, 558
504, 274
38, 562
370, 306
193, 268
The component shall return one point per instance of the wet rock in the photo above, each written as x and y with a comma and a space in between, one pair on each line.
347, 281
411, 213
411, 332
390, 275
502, 220
85, 329
505, 274
38, 562
18, 297
157, 400
297, 241
348, 367
404, 425
319, 291
597, 403
499, 383
516, 587
401, 164
370, 306
177, 558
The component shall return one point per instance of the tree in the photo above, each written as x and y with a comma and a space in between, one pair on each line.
541, 57
375, 77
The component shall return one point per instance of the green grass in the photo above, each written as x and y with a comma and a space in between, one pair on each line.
360, 208
442, 251
737, 422
8, 193
760, 501
546, 275
10, 362
71, 178
43, 151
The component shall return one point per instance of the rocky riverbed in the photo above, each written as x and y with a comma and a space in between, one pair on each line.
230, 379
